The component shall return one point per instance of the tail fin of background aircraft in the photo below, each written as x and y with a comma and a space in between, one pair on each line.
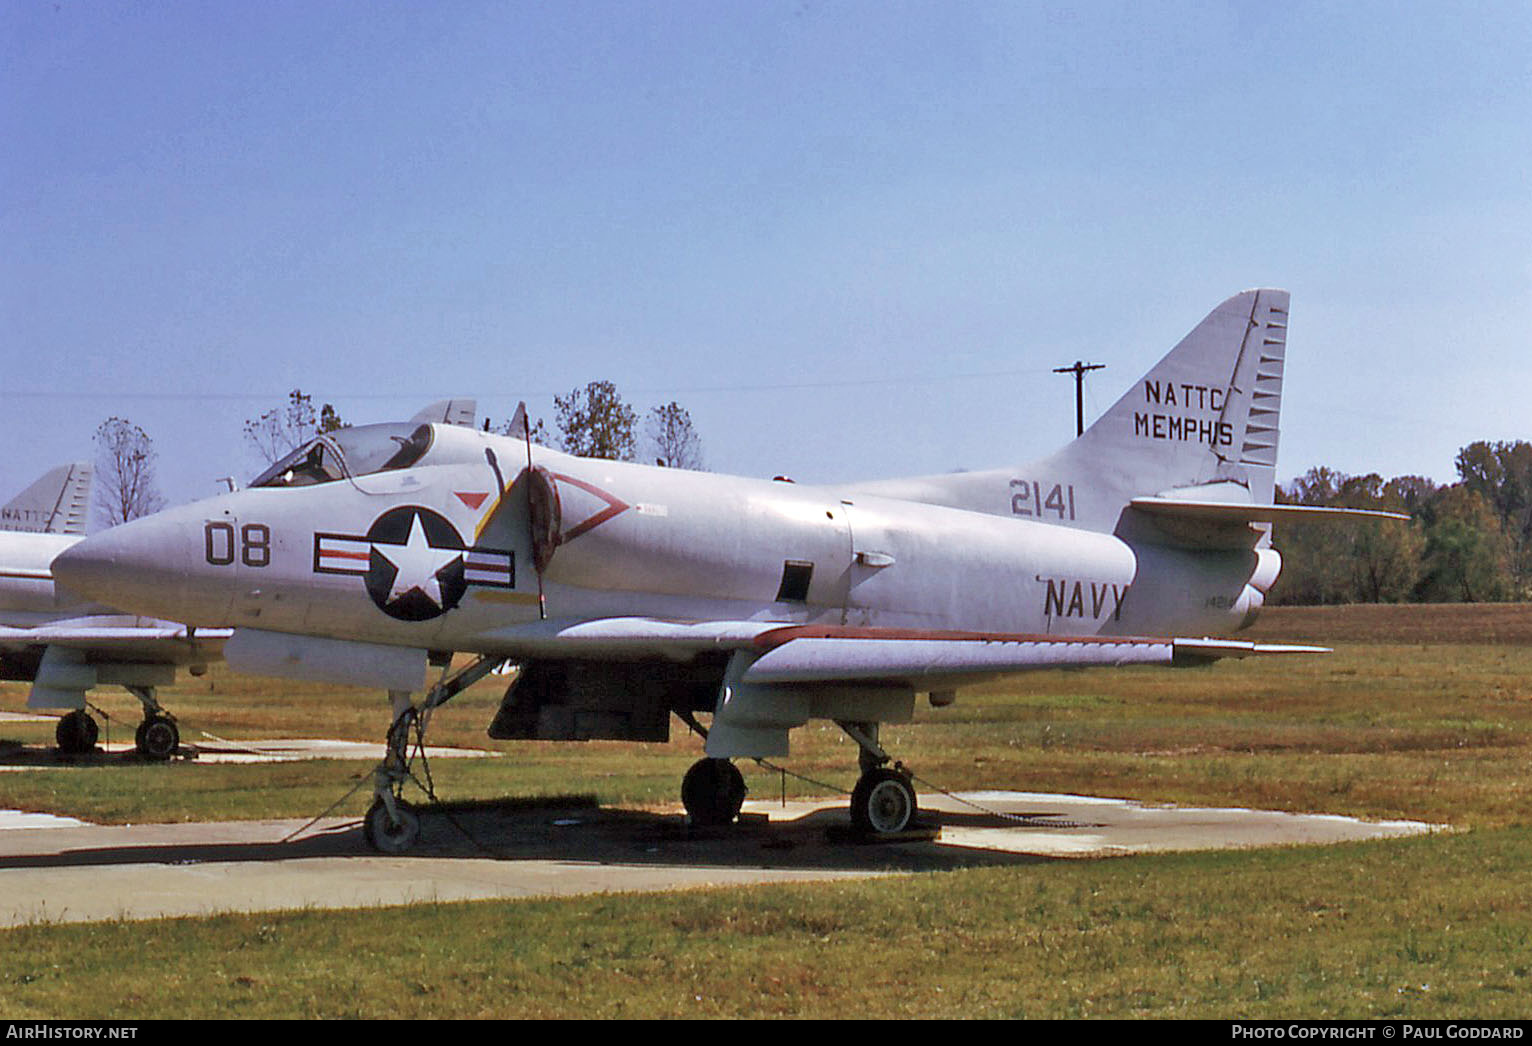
1209, 411
58, 503
449, 412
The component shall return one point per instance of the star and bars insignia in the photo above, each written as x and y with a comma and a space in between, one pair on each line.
414, 563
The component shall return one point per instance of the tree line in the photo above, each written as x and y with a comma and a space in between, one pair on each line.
593, 421
1465, 542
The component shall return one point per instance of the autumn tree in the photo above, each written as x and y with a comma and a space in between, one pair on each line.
594, 422
674, 438
1501, 474
282, 430
125, 485
1468, 554
1346, 561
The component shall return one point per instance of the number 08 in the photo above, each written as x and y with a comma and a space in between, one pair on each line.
254, 544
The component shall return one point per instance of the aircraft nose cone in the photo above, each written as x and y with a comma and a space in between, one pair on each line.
125, 567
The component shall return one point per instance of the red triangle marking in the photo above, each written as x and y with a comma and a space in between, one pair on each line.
472, 500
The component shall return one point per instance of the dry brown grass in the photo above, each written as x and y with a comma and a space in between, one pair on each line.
1504, 624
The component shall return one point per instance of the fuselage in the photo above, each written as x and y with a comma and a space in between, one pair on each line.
27, 594
459, 555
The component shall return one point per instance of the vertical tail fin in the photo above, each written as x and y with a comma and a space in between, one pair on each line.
1206, 416
449, 412
57, 503
1208, 412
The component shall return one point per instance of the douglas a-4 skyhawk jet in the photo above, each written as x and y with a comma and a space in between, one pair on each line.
66, 645
626, 594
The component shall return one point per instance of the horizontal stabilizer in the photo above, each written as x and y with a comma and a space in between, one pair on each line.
1235, 512
1202, 651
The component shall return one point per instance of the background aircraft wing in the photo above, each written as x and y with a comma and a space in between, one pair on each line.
118, 638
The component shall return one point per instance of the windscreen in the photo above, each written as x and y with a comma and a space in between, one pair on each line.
358, 451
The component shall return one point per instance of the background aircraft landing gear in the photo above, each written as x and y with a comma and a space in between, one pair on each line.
712, 791
76, 733
157, 737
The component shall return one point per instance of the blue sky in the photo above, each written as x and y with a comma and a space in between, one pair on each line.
853, 239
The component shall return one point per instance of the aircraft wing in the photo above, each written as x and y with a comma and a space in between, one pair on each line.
937, 660
926, 660
118, 638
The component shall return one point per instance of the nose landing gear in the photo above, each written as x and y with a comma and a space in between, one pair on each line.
392, 825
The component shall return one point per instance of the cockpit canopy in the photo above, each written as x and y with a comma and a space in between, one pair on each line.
361, 450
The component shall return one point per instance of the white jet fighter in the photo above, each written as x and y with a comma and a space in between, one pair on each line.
626, 593
65, 645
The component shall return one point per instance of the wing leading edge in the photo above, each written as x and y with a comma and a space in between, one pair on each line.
925, 660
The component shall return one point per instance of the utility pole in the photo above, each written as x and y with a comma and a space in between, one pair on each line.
1078, 370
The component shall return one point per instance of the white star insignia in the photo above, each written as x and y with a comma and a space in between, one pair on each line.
416, 564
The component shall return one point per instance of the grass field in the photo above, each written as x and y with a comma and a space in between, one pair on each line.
1421, 712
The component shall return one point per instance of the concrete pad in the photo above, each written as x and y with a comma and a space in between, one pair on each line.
12, 819
507, 851
1044, 825
217, 750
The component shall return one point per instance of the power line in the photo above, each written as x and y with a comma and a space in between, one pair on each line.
48, 394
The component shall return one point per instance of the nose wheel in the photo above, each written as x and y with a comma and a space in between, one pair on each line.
391, 827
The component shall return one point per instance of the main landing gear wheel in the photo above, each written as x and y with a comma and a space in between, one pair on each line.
76, 733
157, 738
883, 802
712, 791
388, 833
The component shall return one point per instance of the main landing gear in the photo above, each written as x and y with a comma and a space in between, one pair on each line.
713, 791
156, 738
883, 802
76, 733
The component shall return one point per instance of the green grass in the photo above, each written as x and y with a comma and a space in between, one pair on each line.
1420, 928
1393, 725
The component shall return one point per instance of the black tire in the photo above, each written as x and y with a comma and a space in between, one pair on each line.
712, 791
883, 802
76, 733
384, 834
157, 738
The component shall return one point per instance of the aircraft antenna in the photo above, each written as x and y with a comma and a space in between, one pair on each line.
1078, 370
